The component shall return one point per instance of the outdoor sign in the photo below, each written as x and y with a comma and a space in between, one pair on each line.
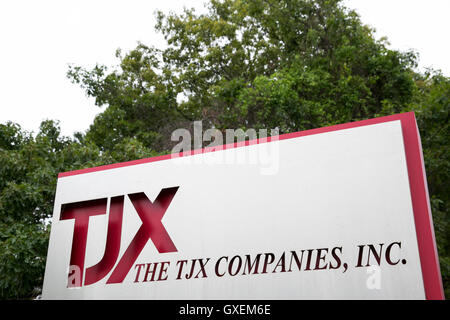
340, 212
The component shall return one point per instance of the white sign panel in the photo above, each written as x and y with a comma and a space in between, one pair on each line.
332, 213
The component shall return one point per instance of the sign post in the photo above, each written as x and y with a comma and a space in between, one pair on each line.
343, 213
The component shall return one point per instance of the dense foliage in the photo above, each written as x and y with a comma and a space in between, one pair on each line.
291, 64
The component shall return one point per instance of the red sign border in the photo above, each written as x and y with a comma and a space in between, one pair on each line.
417, 181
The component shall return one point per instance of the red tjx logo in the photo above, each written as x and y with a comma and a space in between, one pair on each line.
151, 228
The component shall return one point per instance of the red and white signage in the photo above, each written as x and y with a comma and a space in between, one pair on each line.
343, 213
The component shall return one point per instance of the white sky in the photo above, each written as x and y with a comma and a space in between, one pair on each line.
38, 39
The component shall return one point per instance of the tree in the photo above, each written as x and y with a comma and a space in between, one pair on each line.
432, 107
28, 171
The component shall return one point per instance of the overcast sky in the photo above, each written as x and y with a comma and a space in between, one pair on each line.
38, 39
